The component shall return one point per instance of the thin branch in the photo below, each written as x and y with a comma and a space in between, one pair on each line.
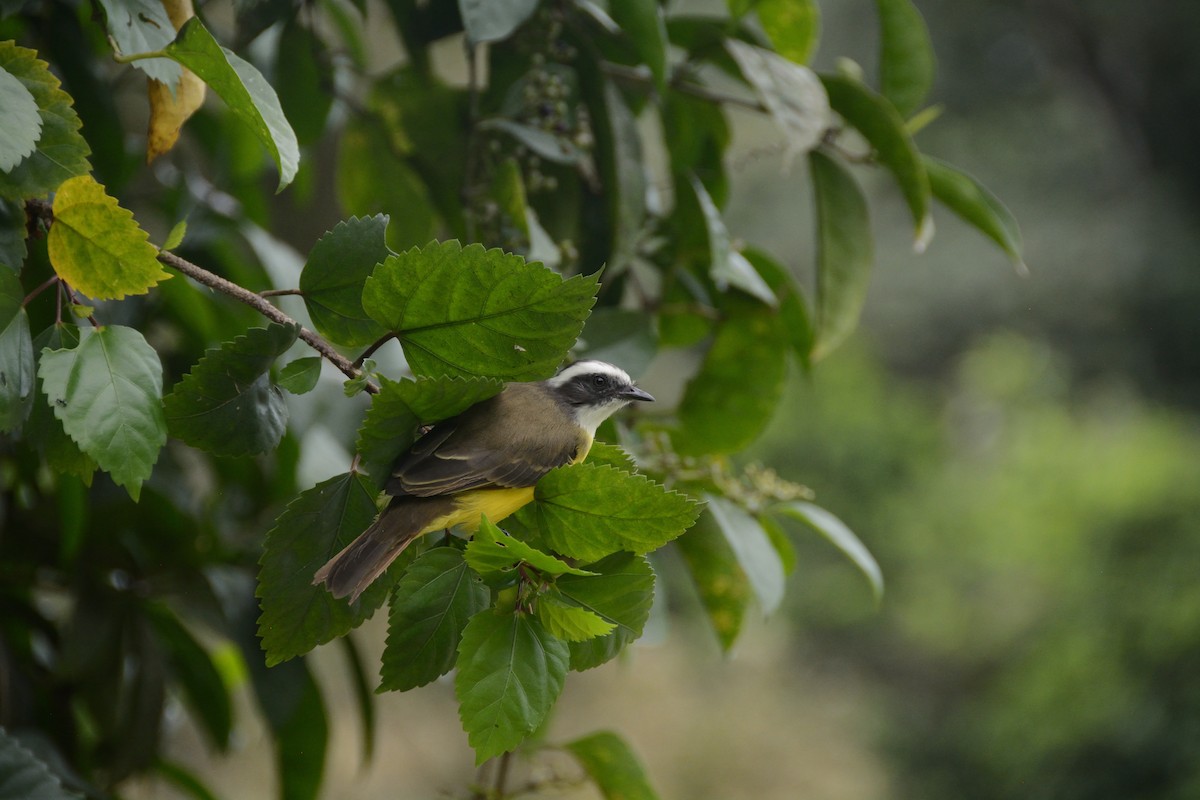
43, 210
642, 77
279, 292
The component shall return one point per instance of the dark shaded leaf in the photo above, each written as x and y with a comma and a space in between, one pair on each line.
227, 403
333, 278
24, 777
362, 693
429, 610
17, 379
304, 80
193, 668
300, 376
296, 615
644, 24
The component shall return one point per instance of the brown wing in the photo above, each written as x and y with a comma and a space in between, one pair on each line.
468, 452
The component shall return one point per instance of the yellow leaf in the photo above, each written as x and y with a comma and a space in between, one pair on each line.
170, 109
97, 247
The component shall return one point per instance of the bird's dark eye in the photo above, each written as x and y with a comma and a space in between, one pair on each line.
600, 381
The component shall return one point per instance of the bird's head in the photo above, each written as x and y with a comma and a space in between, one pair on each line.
594, 391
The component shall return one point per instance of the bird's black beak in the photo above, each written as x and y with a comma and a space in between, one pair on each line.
634, 393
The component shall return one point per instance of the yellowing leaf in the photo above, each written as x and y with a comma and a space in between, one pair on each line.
97, 247
170, 109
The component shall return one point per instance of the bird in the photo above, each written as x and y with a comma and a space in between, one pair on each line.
483, 462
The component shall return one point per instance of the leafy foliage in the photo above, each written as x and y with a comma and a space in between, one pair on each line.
485, 216
228, 404
470, 311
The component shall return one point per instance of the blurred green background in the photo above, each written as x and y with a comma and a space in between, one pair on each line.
1022, 454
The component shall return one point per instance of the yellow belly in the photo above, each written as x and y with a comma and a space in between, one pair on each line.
496, 504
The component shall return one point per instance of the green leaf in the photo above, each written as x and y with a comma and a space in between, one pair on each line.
296, 615
906, 64
724, 588
732, 398
333, 277
195, 672
429, 610
839, 536
97, 247
510, 672
589, 511
401, 407
291, 702
24, 777
300, 376
569, 622
793, 308
304, 79
61, 151
107, 392
883, 127
493, 551
645, 25
243, 89
227, 404
12, 235
20, 124
550, 146
611, 454
57, 449
790, 91
612, 766
362, 693
175, 237
845, 252
753, 550
727, 267
793, 26
622, 594
620, 337
470, 311
372, 178
183, 779
620, 154
971, 200
493, 20
780, 541
17, 380
508, 190
142, 26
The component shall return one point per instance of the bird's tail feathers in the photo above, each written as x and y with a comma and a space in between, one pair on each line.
356, 567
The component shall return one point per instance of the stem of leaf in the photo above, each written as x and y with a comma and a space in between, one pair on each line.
279, 292
44, 211
375, 345
53, 279
501, 776
642, 77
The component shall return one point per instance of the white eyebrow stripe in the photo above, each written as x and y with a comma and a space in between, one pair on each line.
589, 368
